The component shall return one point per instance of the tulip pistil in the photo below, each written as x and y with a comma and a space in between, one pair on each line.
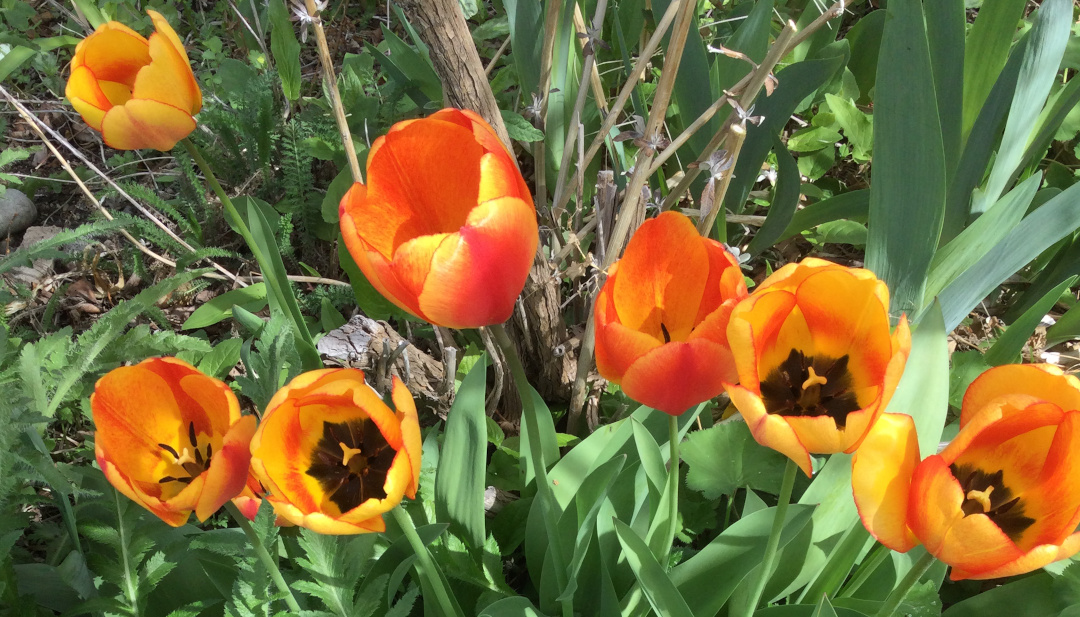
810, 386
351, 461
986, 493
191, 460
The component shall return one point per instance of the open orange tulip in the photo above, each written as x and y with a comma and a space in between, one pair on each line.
137, 93
661, 316
332, 456
445, 228
1003, 498
171, 438
817, 363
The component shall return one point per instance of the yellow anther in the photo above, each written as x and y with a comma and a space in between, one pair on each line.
348, 453
983, 497
814, 379
185, 457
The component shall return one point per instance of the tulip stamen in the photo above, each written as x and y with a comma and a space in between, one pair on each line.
351, 461
813, 380
667, 335
191, 460
986, 493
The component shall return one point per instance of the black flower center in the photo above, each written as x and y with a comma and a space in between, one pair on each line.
351, 461
986, 493
191, 460
810, 386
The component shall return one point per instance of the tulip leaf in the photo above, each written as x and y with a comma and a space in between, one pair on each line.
285, 49
13, 59
222, 358
1032, 595
659, 589
725, 457
923, 391
853, 205
824, 608
583, 517
987, 49
907, 188
460, 479
252, 298
1011, 343
785, 200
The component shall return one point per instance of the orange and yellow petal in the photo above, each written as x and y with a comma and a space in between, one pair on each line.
725, 282
228, 472
1034, 559
674, 377
1039, 381
768, 429
476, 277
141, 123
662, 277
168, 78
753, 327
87, 97
881, 472
618, 348
412, 442
114, 53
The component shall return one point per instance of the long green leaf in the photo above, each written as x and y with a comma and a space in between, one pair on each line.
907, 191
854, 205
1046, 46
460, 479
923, 391
13, 59
945, 20
987, 49
1042, 228
974, 242
1010, 344
784, 203
252, 297
658, 587
285, 49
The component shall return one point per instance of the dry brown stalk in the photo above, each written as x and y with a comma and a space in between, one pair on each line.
331, 87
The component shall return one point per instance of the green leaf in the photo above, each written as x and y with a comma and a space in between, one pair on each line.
411, 69
334, 193
469, 8
1046, 46
841, 232
511, 607
987, 49
824, 608
459, 481
519, 128
1032, 595
945, 21
329, 317
973, 243
907, 190
923, 391
853, 206
858, 126
659, 589
1038, 231
285, 49
966, 366
14, 59
588, 502
785, 200
1067, 327
1010, 344
725, 457
252, 298
222, 359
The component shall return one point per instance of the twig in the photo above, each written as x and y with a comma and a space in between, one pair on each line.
497, 363
495, 58
594, 74
332, 89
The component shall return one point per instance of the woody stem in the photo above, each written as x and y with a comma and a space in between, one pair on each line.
897, 596
769, 559
426, 568
264, 556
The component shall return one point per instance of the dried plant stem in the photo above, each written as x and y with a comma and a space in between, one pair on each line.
40, 129
687, 133
579, 104
332, 89
736, 138
632, 204
594, 75
551, 18
498, 54
624, 94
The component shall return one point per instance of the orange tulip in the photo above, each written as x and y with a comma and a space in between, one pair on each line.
445, 228
136, 93
1003, 498
171, 438
816, 361
661, 316
332, 456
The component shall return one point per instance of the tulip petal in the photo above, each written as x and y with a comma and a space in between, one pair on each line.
167, 78
162, 27
175, 518
142, 123
228, 471
475, 281
1034, 559
113, 54
753, 326
1041, 381
618, 347
662, 277
770, 430
881, 472
87, 97
725, 280
676, 376
410, 431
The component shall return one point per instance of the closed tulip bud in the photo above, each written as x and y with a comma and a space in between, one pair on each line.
445, 228
137, 93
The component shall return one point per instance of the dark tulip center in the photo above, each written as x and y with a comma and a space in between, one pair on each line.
191, 458
986, 493
351, 461
810, 386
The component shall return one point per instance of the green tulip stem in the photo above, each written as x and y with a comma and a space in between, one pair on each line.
278, 285
868, 567
888, 609
769, 559
673, 486
264, 556
536, 453
425, 566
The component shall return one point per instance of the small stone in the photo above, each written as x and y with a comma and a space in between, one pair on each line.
17, 212
37, 234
